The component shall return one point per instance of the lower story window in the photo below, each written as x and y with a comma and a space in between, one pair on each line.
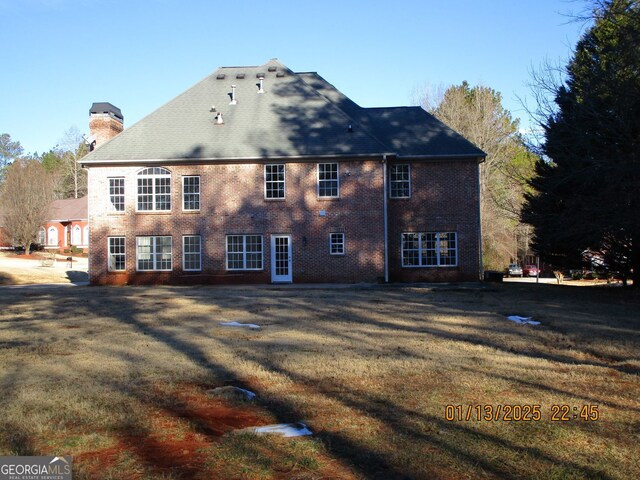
244, 252
191, 253
336, 244
431, 249
117, 254
153, 253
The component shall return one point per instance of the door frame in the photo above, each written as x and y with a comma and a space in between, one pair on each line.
281, 278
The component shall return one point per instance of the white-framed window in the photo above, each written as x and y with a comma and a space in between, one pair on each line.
117, 254
191, 193
52, 236
116, 194
42, 235
274, 181
244, 252
86, 235
76, 235
191, 253
430, 249
336, 244
400, 180
328, 180
154, 190
153, 253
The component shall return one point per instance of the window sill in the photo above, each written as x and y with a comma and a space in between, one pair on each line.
328, 199
153, 212
191, 212
275, 199
400, 198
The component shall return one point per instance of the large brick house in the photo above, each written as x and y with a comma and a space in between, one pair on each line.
260, 174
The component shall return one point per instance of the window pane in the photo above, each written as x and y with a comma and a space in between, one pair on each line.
399, 181
191, 193
410, 250
244, 252
116, 194
116, 254
337, 244
328, 179
191, 253
274, 181
144, 253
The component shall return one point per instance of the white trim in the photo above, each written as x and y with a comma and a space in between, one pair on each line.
337, 164
50, 239
184, 268
154, 253
111, 207
244, 252
109, 254
288, 278
199, 193
154, 177
391, 181
284, 181
420, 249
343, 243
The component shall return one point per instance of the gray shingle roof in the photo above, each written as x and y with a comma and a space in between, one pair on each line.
298, 115
68, 209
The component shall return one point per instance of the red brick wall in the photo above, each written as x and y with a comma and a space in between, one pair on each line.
444, 198
232, 202
104, 127
63, 242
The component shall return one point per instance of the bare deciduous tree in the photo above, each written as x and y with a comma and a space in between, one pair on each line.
25, 196
73, 177
477, 114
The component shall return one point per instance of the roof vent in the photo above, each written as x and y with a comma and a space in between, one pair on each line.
233, 95
240, 76
280, 74
221, 76
219, 120
261, 90
272, 69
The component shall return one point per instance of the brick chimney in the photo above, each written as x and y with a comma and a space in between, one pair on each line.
105, 122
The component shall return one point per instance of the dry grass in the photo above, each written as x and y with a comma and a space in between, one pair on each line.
118, 377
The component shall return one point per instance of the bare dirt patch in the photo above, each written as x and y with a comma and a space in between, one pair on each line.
118, 378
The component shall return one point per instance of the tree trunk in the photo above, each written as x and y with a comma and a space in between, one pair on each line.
27, 248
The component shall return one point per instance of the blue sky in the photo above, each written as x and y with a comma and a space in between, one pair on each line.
60, 56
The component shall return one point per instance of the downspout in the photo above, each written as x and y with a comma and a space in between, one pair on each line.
386, 219
480, 267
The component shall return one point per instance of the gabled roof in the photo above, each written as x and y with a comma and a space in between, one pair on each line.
68, 209
298, 115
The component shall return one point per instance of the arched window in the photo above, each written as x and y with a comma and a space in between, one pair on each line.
42, 236
86, 236
52, 236
76, 235
154, 190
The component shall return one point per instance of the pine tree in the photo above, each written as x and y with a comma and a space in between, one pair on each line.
586, 195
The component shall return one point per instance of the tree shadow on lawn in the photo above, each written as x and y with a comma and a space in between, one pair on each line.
369, 463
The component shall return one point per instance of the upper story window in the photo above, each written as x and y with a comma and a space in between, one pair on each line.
274, 184
431, 249
400, 180
116, 194
328, 183
191, 193
154, 190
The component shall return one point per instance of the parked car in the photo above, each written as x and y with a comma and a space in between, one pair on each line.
530, 271
514, 270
